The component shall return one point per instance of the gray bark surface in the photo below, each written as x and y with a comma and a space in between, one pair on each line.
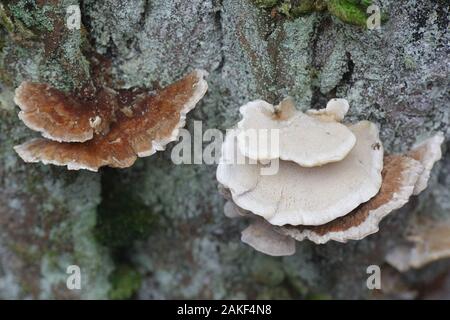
156, 230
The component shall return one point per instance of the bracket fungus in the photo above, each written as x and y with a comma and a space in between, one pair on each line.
261, 236
427, 152
336, 109
429, 241
62, 117
112, 128
231, 210
399, 174
340, 201
308, 196
307, 140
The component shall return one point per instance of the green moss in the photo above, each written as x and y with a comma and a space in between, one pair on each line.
14, 27
319, 296
125, 282
409, 63
266, 3
122, 218
278, 293
29, 254
5, 20
5, 78
267, 270
348, 11
23, 31
307, 6
285, 8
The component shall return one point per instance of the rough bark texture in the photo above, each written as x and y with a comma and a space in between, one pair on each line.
157, 230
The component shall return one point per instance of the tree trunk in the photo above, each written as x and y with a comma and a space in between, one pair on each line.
157, 230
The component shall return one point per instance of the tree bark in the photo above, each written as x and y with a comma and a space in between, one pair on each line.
157, 230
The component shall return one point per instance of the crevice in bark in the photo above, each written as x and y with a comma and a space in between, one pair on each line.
274, 54
218, 4
318, 59
347, 76
122, 219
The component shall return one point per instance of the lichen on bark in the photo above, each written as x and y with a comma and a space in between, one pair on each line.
182, 246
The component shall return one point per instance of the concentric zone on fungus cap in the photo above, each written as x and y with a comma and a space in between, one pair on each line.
306, 140
306, 196
144, 123
400, 174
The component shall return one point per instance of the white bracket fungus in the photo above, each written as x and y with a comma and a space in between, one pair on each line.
336, 110
400, 174
427, 152
306, 140
308, 196
261, 236
231, 210
339, 201
429, 241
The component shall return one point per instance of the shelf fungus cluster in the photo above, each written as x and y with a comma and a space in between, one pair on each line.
333, 180
107, 127
428, 241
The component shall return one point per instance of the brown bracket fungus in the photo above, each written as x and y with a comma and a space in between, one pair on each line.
307, 140
62, 117
115, 130
339, 201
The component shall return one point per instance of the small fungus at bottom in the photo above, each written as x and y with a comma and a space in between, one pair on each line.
429, 242
261, 236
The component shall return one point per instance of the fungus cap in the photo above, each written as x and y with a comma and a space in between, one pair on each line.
336, 110
261, 236
231, 210
270, 132
429, 242
154, 122
63, 117
427, 152
306, 196
400, 174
